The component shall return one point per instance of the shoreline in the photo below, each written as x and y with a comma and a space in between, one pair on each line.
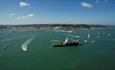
53, 26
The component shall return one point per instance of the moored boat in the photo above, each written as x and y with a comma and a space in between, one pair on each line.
66, 42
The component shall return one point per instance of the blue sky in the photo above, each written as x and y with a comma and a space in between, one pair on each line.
57, 11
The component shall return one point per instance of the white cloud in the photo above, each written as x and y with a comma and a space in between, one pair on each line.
30, 15
26, 16
24, 4
86, 5
12, 14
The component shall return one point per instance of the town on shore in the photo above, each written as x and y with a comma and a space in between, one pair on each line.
52, 26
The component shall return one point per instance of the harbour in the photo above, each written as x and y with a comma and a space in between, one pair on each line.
90, 55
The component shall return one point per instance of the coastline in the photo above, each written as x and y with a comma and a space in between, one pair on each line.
52, 26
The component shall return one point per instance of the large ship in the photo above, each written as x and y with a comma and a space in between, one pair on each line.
67, 42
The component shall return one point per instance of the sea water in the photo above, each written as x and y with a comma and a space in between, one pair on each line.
94, 53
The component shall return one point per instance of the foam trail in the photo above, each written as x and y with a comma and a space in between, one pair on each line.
25, 44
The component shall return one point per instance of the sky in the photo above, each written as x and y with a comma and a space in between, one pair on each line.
57, 11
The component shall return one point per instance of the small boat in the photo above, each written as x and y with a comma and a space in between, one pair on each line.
67, 42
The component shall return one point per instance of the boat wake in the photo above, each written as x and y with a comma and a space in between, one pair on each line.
26, 43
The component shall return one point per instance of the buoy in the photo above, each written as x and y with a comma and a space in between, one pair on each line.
92, 41
85, 41
88, 35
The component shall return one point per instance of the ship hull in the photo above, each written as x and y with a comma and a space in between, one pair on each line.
66, 45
